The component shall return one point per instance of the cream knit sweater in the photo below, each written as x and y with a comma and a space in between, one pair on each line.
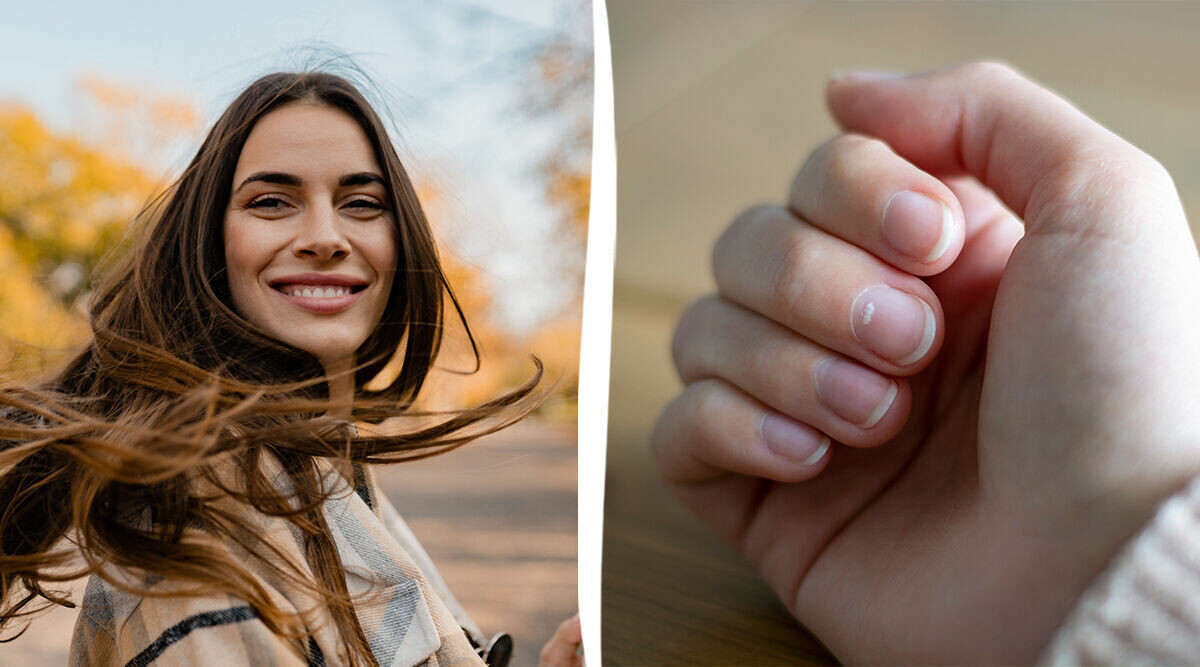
1145, 610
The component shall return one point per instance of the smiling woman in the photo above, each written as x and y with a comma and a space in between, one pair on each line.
310, 243
202, 459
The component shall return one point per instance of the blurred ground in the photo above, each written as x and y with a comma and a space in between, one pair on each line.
498, 519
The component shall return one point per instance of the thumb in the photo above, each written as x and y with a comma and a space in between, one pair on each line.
562, 649
1044, 158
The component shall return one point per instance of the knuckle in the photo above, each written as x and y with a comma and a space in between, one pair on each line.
662, 431
744, 223
681, 418
853, 143
1093, 173
750, 218
1136, 178
990, 70
1131, 167
683, 342
1153, 172
697, 406
703, 399
729, 245
787, 288
847, 152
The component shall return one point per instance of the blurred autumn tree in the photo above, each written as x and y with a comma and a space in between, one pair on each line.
64, 203
556, 77
563, 88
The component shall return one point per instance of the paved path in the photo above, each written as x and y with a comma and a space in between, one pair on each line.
498, 518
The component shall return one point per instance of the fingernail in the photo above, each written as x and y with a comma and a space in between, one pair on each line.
793, 441
854, 393
862, 76
917, 226
895, 325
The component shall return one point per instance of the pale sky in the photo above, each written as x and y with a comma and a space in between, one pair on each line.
452, 72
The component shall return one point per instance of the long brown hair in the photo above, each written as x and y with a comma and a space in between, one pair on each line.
174, 382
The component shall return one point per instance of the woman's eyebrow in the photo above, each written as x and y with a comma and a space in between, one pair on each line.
281, 178
361, 178
277, 177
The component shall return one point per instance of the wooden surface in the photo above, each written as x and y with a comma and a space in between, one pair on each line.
497, 517
717, 104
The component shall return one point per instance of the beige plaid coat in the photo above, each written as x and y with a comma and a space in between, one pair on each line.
400, 607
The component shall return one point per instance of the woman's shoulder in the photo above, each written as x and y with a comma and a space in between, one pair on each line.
116, 626
395, 604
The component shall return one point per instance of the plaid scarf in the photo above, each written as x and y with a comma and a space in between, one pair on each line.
401, 613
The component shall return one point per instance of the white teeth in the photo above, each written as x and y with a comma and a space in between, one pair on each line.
317, 292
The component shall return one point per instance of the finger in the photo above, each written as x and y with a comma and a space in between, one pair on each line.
856, 188
980, 205
828, 291
1034, 150
789, 373
992, 231
562, 648
713, 429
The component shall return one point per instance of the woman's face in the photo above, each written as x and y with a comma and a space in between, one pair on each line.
310, 243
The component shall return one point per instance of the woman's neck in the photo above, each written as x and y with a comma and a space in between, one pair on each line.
341, 385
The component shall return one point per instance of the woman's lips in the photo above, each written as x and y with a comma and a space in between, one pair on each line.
322, 299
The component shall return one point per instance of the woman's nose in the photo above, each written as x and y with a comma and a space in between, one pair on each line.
321, 236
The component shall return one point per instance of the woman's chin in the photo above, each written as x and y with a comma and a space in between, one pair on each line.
334, 351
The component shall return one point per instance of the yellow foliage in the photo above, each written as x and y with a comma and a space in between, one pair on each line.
34, 327
571, 191
62, 205
109, 93
59, 197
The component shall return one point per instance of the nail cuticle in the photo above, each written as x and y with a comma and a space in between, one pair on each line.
882, 408
791, 440
819, 454
944, 240
901, 228
856, 395
926, 337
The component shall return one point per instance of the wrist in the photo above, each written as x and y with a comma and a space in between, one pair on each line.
1142, 607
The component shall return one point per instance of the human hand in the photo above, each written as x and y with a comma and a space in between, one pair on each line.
986, 466
563, 648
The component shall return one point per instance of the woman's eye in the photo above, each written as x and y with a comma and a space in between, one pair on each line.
364, 205
267, 203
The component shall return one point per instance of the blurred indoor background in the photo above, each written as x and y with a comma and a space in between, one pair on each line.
717, 104
489, 103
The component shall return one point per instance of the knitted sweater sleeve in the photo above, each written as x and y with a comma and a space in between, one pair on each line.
1145, 609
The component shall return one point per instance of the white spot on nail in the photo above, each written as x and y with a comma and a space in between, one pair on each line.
868, 311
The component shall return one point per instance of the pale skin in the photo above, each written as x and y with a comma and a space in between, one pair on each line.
984, 470
309, 202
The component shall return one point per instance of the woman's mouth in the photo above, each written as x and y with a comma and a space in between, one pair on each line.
319, 294
315, 291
